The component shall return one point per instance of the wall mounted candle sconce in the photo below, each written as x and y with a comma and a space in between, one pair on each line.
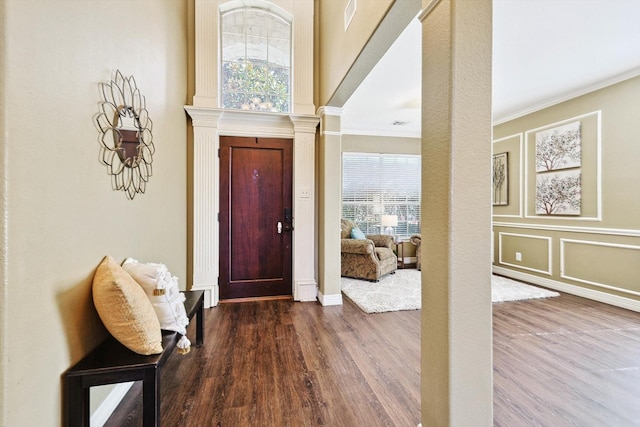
125, 135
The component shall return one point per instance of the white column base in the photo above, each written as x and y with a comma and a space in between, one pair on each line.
326, 300
305, 290
211, 294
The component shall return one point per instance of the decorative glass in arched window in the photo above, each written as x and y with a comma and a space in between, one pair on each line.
256, 59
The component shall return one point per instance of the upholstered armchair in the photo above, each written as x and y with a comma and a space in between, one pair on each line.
416, 239
367, 258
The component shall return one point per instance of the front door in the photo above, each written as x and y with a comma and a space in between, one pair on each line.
256, 217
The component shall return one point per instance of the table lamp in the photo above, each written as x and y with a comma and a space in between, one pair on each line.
388, 222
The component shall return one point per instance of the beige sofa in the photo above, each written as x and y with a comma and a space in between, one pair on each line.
369, 258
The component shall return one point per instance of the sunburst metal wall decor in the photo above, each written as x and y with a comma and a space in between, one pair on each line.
126, 141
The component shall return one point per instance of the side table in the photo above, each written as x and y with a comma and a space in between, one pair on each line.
400, 253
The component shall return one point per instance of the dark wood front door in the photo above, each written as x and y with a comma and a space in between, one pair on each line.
255, 217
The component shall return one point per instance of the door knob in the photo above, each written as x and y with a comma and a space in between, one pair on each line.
279, 227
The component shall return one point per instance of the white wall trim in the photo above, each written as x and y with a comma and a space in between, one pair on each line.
584, 91
427, 10
109, 404
327, 110
571, 229
306, 290
225, 7
325, 300
527, 236
211, 293
331, 132
589, 282
604, 297
598, 217
493, 244
349, 13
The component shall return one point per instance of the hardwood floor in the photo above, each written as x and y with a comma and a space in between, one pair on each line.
565, 361
562, 361
279, 363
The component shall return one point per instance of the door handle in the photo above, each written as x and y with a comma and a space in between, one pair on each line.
279, 227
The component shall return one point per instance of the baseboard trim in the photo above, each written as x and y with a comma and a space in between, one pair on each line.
211, 293
306, 290
109, 404
326, 300
607, 298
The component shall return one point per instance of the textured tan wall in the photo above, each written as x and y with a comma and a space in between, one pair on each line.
605, 239
380, 144
60, 212
328, 151
456, 147
337, 48
4, 324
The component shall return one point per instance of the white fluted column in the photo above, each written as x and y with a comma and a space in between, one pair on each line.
304, 207
206, 182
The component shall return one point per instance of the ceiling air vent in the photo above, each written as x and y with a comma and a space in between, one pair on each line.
349, 12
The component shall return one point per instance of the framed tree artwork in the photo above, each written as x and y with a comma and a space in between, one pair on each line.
562, 169
558, 148
558, 193
558, 178
500, 193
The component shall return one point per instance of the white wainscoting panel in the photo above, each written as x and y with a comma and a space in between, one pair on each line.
564, 243
522, 266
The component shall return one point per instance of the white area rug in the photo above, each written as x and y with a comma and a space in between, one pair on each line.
402, 291
505, 289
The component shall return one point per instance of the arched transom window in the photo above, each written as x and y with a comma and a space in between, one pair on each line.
256, 59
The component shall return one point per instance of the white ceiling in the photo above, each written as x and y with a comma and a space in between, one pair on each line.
544, 51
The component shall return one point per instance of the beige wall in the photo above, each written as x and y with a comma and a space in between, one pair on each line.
380, 144
456, 368
329, 188
338, 48
596, 254
59, 213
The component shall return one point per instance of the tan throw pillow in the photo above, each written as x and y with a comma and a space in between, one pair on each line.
125, 310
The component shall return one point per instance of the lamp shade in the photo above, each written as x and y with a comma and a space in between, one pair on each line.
389, 220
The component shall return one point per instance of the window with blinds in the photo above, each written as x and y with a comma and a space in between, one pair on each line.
374, 185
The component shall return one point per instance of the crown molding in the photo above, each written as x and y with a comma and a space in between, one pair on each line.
569, 96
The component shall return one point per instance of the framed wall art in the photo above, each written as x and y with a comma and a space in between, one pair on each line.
500, 194
559, 193
558, 148
563, 169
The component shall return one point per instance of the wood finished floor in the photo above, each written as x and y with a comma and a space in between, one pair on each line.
565, 361
562, 361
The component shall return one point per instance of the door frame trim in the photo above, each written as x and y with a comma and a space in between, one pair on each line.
203, 240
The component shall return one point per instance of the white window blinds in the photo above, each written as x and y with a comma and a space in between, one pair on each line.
382, 184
